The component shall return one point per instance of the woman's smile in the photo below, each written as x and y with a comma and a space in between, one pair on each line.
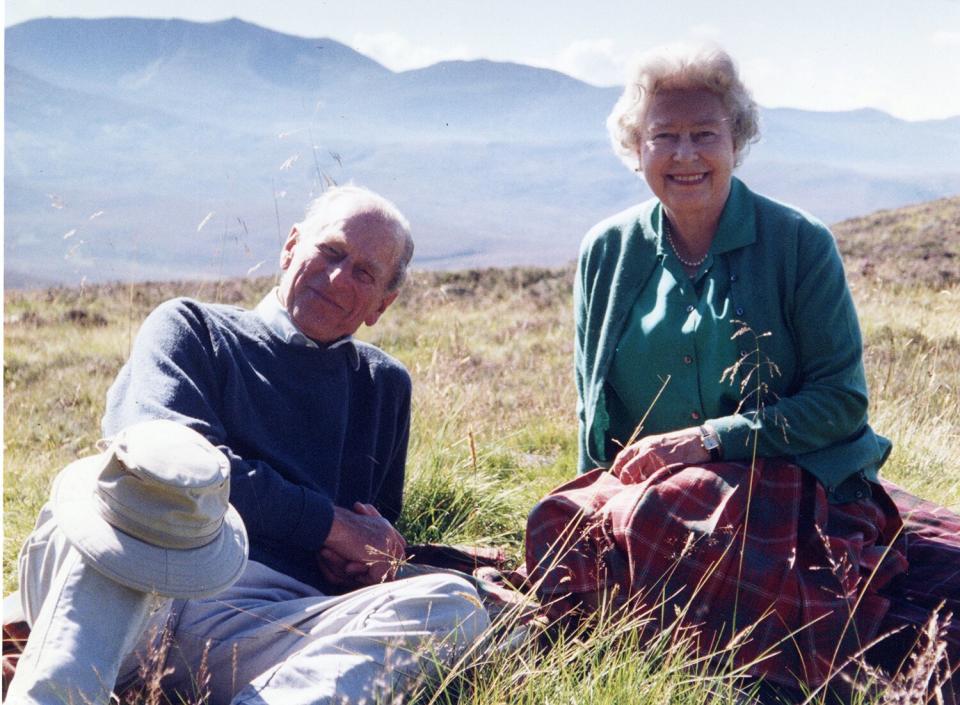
688, 179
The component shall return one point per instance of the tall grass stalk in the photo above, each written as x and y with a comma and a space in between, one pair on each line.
502, 375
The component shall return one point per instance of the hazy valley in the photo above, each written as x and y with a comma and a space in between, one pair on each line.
148, 149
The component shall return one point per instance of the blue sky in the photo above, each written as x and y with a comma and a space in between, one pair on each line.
897, 55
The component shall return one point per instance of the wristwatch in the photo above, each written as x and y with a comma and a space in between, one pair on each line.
711, 442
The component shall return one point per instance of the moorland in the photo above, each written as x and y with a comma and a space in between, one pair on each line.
494, 426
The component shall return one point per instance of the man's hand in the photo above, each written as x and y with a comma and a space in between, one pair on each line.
362, 548
638, 461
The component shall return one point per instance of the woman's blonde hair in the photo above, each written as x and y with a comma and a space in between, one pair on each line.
684, 67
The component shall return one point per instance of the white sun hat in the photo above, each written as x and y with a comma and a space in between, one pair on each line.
152, 512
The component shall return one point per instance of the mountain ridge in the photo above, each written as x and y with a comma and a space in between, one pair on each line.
494, 162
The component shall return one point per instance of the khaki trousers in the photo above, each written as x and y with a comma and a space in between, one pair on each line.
267, 639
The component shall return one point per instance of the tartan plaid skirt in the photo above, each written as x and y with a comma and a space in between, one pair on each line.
756, 560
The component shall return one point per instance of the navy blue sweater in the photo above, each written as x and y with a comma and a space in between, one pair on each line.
303, 428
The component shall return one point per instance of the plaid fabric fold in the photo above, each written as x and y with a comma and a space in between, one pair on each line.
755, 557
931, 542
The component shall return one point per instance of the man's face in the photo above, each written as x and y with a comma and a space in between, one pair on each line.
336, 279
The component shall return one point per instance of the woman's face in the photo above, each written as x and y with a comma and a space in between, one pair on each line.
687, 153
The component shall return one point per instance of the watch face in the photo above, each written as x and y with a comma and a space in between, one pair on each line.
709, 440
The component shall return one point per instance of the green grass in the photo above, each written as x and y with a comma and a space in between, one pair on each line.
494, 429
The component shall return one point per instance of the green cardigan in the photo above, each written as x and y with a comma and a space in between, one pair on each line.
785, 279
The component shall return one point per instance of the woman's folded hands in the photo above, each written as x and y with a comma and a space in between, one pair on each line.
639, 460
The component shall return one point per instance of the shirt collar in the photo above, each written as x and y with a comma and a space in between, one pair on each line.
737, 227
279, 321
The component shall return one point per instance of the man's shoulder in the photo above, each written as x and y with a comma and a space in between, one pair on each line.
381, 364
184, 310
181, 305
184, 323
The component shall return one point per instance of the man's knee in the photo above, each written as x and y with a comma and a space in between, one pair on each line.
453, 607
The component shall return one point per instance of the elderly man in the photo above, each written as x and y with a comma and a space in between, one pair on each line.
315, 426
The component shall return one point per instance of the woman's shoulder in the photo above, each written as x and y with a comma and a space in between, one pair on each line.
624, 223
789, 234
773, 212
635, 221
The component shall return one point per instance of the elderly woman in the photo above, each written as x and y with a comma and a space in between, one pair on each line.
720, 379
664, 286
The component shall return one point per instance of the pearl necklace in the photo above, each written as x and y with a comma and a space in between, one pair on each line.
673, 246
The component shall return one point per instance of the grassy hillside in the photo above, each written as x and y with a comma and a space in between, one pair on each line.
493, 430
917, 244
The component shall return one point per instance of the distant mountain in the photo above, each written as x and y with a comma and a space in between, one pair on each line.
222, 71
866, 139
123, 136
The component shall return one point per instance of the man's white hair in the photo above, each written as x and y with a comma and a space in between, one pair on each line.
349, 198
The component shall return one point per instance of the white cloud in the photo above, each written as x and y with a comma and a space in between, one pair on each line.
596, 61
811, 85
764, 77
945, 38
398, 53
705, 31
604, 63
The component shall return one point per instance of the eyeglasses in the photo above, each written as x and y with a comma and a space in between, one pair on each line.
703, 136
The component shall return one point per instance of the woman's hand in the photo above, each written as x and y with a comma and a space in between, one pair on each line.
639, 460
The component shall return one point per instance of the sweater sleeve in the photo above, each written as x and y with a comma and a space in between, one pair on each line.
830, 404
389, 499
173, 374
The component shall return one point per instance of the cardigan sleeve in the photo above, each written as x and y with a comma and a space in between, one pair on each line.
829, 405
172, 373
616, 257
580, 305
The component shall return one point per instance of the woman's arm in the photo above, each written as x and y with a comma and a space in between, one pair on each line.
580, 307
829, 405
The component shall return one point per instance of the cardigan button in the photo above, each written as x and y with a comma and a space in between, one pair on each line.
739, 310
689, 308
695, 415
733, 277
687, 359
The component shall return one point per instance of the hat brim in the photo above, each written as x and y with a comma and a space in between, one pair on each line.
190, 573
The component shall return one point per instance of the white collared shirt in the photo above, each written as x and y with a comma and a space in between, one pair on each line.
278, 320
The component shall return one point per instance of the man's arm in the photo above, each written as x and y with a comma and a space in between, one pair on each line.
173, 373
363, 547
